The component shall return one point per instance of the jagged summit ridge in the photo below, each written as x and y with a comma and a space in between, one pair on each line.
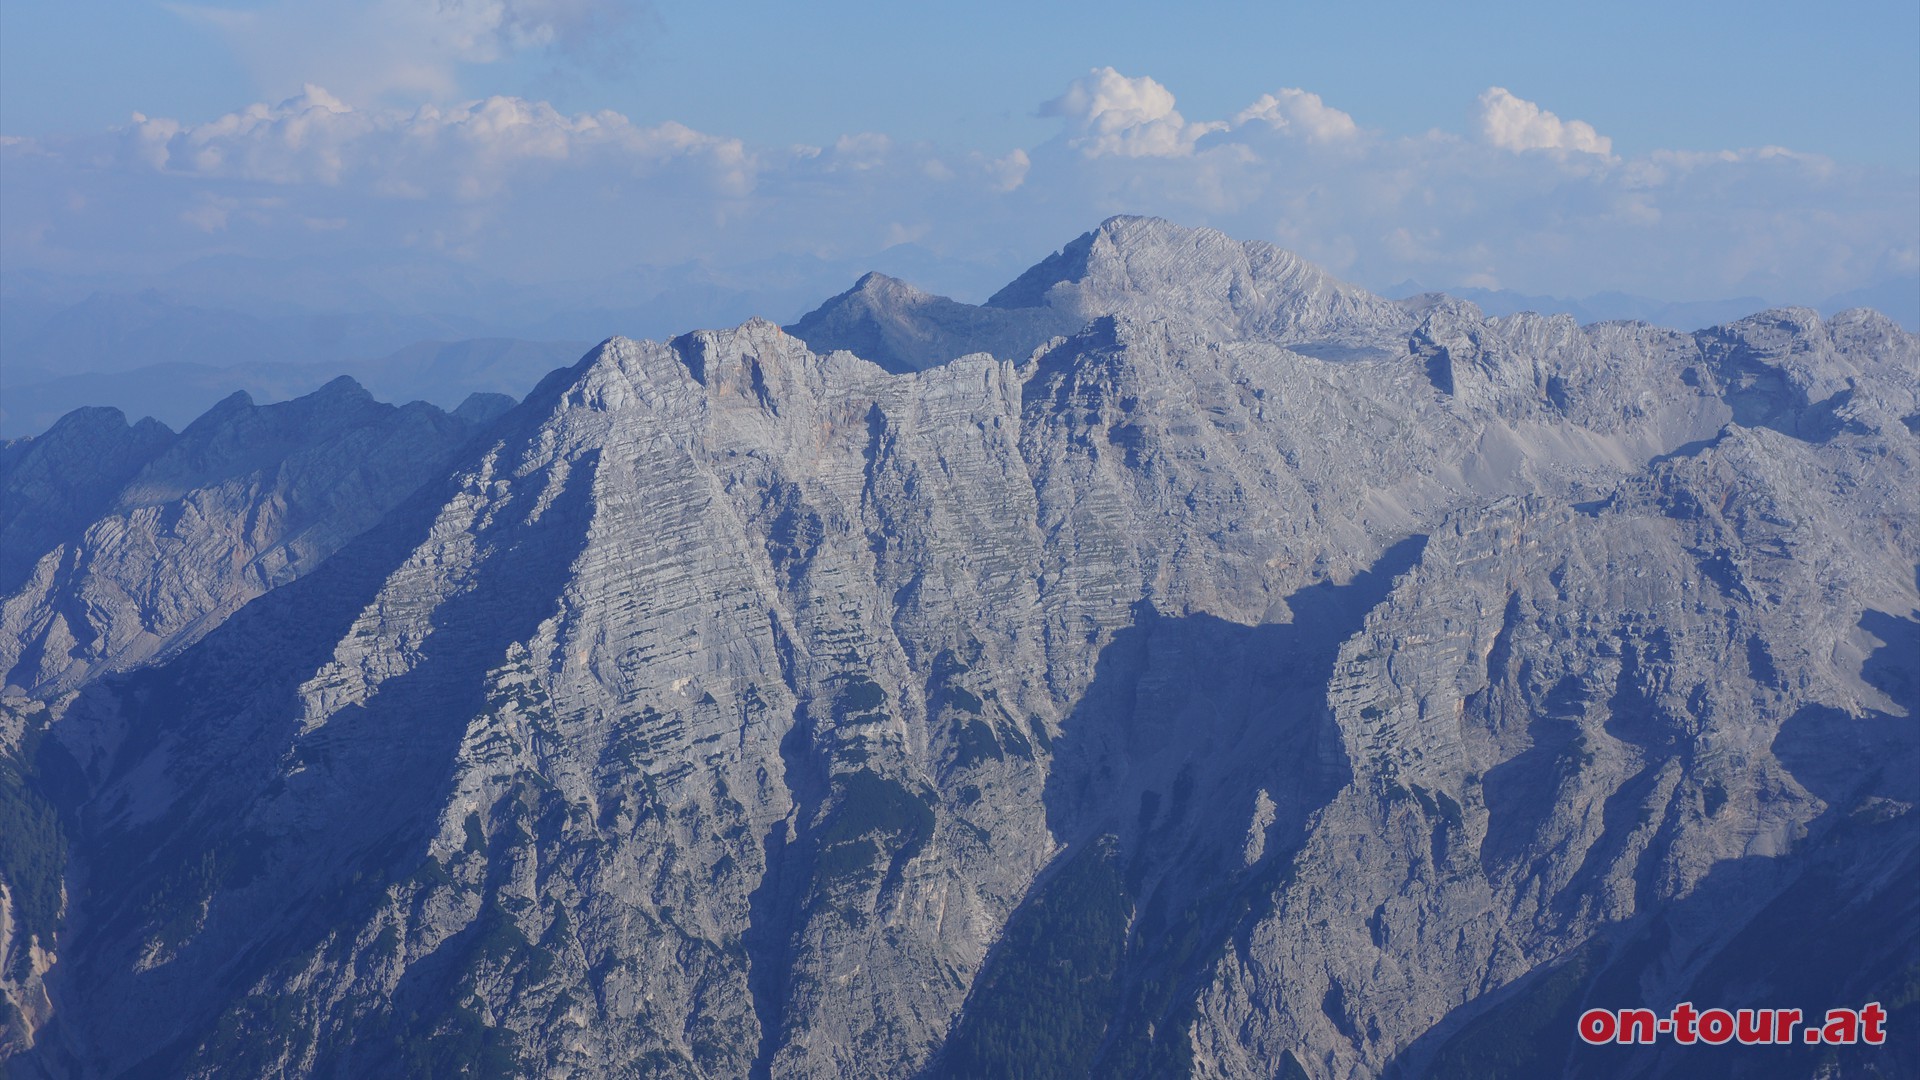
1143, 268
1151, 267
1139, 267
122, 545
1168, 699
901, 328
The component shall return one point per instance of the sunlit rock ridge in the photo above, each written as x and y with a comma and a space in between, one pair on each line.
1184, 664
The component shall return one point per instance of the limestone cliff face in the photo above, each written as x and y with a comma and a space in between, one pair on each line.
1219, 671
122, 545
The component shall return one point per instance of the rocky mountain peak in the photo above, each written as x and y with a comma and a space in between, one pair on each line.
57, 482
1265, 677
1128, 251
125, 544
876, 284
480, 407
1144, 268
901, 328
1032, 289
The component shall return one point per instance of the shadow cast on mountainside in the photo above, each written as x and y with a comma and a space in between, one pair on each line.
1181, 785
1516, 789
774, 906
1834, 923
271, 840
242, 501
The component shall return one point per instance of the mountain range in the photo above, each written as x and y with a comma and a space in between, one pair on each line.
1182, 664
170, 347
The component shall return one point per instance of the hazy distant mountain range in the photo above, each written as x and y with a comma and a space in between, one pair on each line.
171, 352
440, 373
171, 347
1897, 298
1182, 664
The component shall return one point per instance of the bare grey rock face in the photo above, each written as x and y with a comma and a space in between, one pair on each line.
124, 545
903, 329
1143, 268
63, 480
1184, 664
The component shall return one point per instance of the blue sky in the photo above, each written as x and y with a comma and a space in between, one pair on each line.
1683, 151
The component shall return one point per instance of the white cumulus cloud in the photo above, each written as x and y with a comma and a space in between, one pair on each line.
1113, 115
1009, 170
515, 185
1514, 123
466, 150
374, 49
1298, 112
